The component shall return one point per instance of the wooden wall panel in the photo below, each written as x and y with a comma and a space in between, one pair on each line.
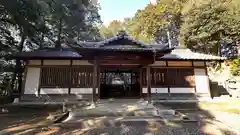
58, 77
159, 63
198, 64
172, 77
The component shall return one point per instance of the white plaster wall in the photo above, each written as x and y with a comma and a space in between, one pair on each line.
156, 90
54, 91
201, 81
182, 90
32, 81
56, 62
34, 62
82, 90
81, 62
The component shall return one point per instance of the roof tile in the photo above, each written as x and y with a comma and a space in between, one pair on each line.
187, 54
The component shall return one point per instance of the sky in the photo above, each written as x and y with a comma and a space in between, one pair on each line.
120, 9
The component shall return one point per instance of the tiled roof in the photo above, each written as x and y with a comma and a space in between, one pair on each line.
68, 53
121, 43
121, 36
158, 50
64, 53
187, 54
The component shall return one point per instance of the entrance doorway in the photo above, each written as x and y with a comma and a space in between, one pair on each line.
119, 83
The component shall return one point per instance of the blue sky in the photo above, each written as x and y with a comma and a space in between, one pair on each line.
119, 9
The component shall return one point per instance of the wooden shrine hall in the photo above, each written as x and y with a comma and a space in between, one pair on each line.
118, 67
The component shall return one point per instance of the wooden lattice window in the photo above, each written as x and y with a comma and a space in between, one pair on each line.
181, 77
65, 77
82, 77
158, 77
55, 77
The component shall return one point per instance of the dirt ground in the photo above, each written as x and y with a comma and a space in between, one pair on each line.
34, 121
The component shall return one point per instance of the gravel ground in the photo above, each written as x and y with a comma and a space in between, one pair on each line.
142, 128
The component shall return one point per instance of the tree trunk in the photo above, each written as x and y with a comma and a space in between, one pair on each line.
41, 41
78, 35
58, 43
19, 64
14, 75
18, 69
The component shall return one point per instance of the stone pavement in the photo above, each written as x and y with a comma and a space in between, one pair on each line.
120, 108
128, 117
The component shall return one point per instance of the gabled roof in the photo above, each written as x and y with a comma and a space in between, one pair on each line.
68, 53
121, 39
186, 54
120, 43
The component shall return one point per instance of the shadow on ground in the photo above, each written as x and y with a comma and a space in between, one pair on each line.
33, 121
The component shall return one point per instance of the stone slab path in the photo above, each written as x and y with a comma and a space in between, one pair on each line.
119, 108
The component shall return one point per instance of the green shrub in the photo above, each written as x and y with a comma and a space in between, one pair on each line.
235, 67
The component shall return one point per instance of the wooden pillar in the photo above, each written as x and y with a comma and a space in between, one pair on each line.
98, 81
167, 79
193, 75
40, 78
94, 87
140, 81
70, 77
148, 84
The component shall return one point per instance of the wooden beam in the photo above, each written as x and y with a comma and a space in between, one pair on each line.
127, 62
148, 84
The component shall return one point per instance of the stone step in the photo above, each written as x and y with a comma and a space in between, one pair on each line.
96, 112
132, 119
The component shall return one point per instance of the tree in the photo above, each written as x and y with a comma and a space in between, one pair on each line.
72, 19
154, 21
112, 29
129, 25
30, 24
105, 32
209, 25
22, 16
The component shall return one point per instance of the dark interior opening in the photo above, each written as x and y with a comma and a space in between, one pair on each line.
119, 83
